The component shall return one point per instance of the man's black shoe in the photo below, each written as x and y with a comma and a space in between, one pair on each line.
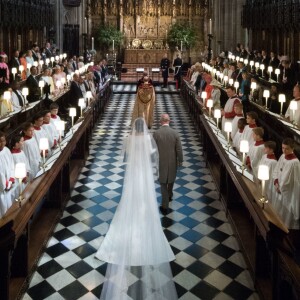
163, 210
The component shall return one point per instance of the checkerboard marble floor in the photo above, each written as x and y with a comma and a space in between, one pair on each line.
208, 265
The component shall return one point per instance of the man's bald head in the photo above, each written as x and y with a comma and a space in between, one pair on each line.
164, 119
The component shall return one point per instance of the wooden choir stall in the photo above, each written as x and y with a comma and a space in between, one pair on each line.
27, 225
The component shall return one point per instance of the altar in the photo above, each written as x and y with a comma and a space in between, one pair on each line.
145, 56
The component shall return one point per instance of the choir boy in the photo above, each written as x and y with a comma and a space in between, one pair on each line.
238, 109
237, 137
251, 118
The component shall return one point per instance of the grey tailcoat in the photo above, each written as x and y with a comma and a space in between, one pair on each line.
170, 153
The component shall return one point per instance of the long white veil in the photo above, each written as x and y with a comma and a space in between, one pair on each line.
135, 247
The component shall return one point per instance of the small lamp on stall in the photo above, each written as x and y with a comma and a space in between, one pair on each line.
277, 72
266, 94
25, 93
253, 87
263, 175
14, 72
221, 77
256, 66
28, 66
20, 174
44, 146
81, 104
244, 148
35, 63
52, 61
68, 79
203, 96
225, 80
209, 104
63, 81
230, 81
47, 61
21, 68
41, 86
217, 115
72, 114
228, 129
58, 84
293, 108
60, 126
246, 62
41, 62
7, 97
281, 99
251, 63
262, 67
88, 96
270, 70
236, 85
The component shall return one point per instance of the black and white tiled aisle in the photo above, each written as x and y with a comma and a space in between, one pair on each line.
208, 262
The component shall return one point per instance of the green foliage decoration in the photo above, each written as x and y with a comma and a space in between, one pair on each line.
108, 34
183, 33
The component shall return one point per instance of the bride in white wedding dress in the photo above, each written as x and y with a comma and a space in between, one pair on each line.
135, 247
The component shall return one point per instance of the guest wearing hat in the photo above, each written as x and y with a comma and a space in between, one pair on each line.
215, 92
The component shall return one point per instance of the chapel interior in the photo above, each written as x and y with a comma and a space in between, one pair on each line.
234, 226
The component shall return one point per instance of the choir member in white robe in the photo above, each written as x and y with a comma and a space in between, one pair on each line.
54, 107
50, 129
294, 116
19, 156
228, 111
238, 109
7, 180
31, 148
40, 132
251, 121
256, 151
286, 180
237, 137
269, 159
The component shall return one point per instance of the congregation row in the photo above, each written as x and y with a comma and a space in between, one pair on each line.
25, 146
282, 189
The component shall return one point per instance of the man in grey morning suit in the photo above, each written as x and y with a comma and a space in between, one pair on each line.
170, 157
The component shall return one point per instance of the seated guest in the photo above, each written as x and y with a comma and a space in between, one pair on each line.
14, 63
208, 87
50, 128
269, 159
251, 121
32, 83
91, 84
4, 74
238, 135
216, 93
273, 103
228, 111
245, 91
49, 84
75, 92
7, 179
286, 181
295, 117
17, 98
19, 156
238, 109
256, 150
23, 62
31, 148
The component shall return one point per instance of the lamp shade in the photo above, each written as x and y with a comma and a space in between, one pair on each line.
293, 105
246, 62
21, 68
44, 144
28, 66
266, 94
263, 172
47, 61
262, 66
217, 113
230, 81
253, 85
88, 94
210, 103
7, 95
277, 71
35, 63
60, 125
68, 77
251, 63
63, 80
281, 98
14, 70
257, 65
203, 95
41, 83
41, 62
270, 69
25, 91
225, 78
52, 59
20, 170
58, 83
244, 146
81, 102
72, 112
56, 57
236, 84
228, 127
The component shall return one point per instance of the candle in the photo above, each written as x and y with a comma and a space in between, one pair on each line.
181, 46
266, 94
244, 148
14, 71
210, 104
92, 43
21, 68
253, 87
263, 175
72, 114
25, 93
88, 96
277, 72
210, 26
113, 45
228, 129
217, 115
281, 99
44, 145
293, 108
81, 104
41, 85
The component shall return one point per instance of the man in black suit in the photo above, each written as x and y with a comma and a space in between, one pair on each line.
48, 51
33, 85
34, 50
165, 65
14, 63
75, 93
